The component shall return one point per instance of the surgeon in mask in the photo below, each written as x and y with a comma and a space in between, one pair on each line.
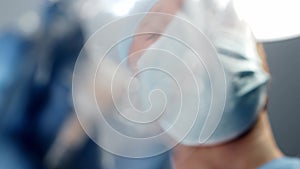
204, 74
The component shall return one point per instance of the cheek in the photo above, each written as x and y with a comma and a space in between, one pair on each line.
263, 56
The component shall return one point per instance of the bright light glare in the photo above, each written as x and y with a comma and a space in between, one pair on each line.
123, 7
271, 20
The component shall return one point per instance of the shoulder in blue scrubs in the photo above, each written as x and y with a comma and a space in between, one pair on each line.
282, 163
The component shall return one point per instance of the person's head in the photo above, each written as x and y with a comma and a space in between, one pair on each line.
237, 51
199, 77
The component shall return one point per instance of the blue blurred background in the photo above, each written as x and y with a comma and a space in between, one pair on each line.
39, 44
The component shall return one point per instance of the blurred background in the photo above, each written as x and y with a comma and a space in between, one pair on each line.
40, 42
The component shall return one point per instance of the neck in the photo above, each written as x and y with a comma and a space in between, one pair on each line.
251, 150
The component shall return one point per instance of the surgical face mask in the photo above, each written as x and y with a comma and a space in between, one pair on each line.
245, 86
188, 75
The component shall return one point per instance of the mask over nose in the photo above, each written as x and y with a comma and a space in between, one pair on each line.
195, 68
186, 83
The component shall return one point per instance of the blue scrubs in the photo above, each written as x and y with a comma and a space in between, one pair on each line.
282, 163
